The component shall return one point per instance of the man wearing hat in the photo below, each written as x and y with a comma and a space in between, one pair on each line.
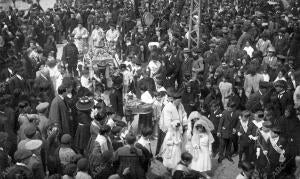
35, 162
198, 61
233, 52
30, 133
246, 132
254, 99
186, 65
60, 112
281, 42
215, 117
171, 68
227, 131
271, 61
42, 110
65, 153
70, 56
81, 35
211, 57
263, 135
21, 169
285, 97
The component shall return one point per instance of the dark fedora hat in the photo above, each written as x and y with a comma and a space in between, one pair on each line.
173, 93
85, 103
276, 129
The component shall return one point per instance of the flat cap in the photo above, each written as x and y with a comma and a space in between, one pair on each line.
116, 129
66, 139
33, 145
276, 129
30, 130
42, 106
82, 164
22, 154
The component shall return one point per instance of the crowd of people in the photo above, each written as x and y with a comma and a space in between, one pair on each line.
236, 94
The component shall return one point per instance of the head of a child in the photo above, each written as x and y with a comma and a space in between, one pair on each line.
186, 158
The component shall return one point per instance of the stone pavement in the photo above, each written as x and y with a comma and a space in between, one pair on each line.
225, 170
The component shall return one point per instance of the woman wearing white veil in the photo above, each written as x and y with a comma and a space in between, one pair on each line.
193, 118
201, 142
171, 147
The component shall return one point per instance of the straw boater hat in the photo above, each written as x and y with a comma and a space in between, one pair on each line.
186, 50
84, 104
33, 145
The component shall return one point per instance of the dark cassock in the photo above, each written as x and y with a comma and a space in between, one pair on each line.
60, 113
116, 97
70, 56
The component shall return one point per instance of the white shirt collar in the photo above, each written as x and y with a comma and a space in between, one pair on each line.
20, 77
21, 164
61, 97
275, 139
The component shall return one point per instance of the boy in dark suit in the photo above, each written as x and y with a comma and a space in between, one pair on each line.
246, 132
262, 137
215, 117
226, 130
276, 153
284, 97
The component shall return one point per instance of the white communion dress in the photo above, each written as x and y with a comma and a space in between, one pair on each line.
201, 153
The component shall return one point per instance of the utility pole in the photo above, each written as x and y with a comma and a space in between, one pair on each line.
194, 24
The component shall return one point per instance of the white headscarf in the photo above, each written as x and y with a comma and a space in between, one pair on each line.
197, 115
208, 128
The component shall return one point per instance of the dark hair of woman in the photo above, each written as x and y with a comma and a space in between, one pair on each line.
199, 126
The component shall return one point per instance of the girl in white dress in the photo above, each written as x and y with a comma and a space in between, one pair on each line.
202, 140
171, 147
